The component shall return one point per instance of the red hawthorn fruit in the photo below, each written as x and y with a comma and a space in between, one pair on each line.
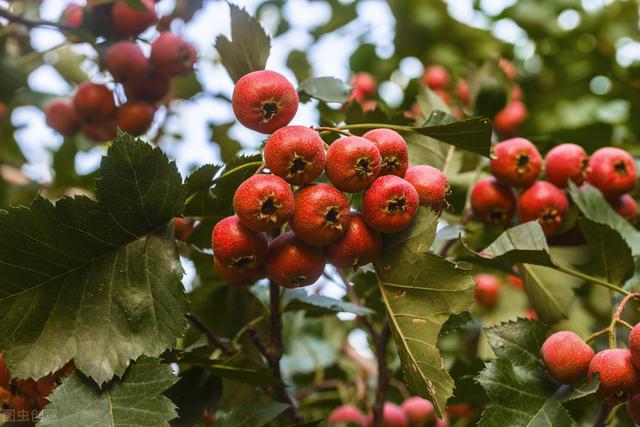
510, 117
233, 276
567, 357
436, 77
46, 385
431, 185
207, 419
364, 86
487, 289
516, 93
5, 396
237, 247
492, 202
419, 411
353, 163
618, 377
3, 111
612, 170
515, 281
5, 377
61, 116
27, 386
128, 21
20, 403
393, 150
545, 203
508, 68
296, 154
153, 88
101, 131
291, 263
171, 55
321, 214
369, 105
461, 410
517, 162
347, 414
264, 101
183, 227
633, 408
358, 246
393, 416
126, 61
626, 207
463, 92
531, 314
264, 202
566, 162
633, 344
72, 16
94, 102
389, 204
135, 117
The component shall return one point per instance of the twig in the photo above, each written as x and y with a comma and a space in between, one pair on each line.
383, 374
211, 337
255, 339
31, 23
330, 129
353, 296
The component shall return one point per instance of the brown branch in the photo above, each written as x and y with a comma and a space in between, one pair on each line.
383, 373
32, 23
211, 337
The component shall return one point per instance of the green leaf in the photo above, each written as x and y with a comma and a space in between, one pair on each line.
524, 243
254, 415
97, 282
472, 134
550, 291
186, 86
327, 89
229, 147
248, 48
136, 399
297, 299
196, 391
610, 249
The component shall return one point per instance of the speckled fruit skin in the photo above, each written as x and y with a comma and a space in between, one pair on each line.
94, 102
101, 131
492, 202
567, 357
358, 246
393, 150
236, 247
183, 227
436, 77
364, 86
508, 119
390, 204
634, 345
612, 171
126, 61
487, 289
347, 414
264, 101
153, 88
61, 116
296, 154
633, 408
393, 416
246, 276
171, 55
626, 207
135, 117
517, 162
545, 203
353, 163
128, 21
564, 163
618, 377
291, 263
431, 185
321, 214
419, 411
264, 202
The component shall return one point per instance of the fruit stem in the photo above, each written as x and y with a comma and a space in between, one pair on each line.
398, 128
330, 129
237, 168
592, 279
596, 335
211, 337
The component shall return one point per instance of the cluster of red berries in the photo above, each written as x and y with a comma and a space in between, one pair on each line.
322, 225
414, 412
487, 290
146, 80
517, 163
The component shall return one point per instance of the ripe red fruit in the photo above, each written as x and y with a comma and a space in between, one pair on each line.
390, 204
463, 92
321, 214
492, 202
567, 357
436, 77
612, 171
153, 88
128, 21
102, 131
633, 408
431, 185
291, 263
171, 55
633, 344
46, 385
72, 16
296, 154
517, 162
245, 276
353, 163
3, 111
566, 162
236, 247
419, 411
347, 414
626, 207
545, 203
508, 68
487, 289
264, 202
393, 416
264, 101
618, 377
183, 227
126, 61
359, 245
61, 116
5, 397
515, 281
393, 150
510, 117
364, 85
135, 117
94, 102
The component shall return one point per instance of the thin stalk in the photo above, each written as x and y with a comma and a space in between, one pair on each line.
592, 279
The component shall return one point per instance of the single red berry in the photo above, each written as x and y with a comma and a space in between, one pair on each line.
353, 163
633, 344
135, 117
129, 21
296, 154
292, 263
61, 116
545, 203
359, 245
102, 131
363, 85
392, 416
94, 102
510, 117
626, 207
264, 202
431, 185
612, 170
618, 377
321, 214
393, 150
508, 68
171, 55
531, 314
419, 411
233, 276
566, 162
390, 204
153, 88
517, 162
464, 93
264, 101
487, 289
183, 227
436, 77
72, 16
633, 408
567, 357
492, 202
46, 385
461, 410
515, 281
347, 414
237, 247
126, 61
